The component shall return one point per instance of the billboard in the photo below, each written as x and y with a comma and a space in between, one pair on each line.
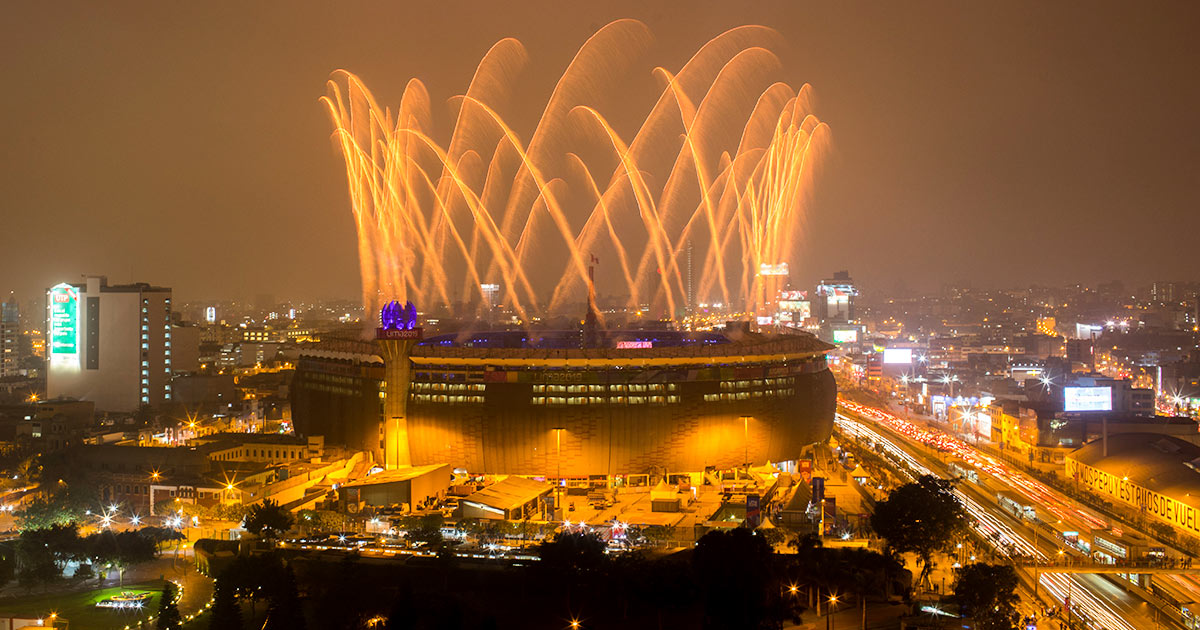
898, 355
632, 345
64, 322
802, 309
845, 336
1087, 399
779, 269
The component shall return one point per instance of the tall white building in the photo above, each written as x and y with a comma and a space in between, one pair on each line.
10, 331
109, 344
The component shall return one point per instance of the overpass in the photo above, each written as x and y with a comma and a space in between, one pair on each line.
1149, 568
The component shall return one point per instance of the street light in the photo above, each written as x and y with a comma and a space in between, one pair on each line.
558, 462
746, 440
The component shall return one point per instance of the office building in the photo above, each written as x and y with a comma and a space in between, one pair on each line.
10, 334
110, 344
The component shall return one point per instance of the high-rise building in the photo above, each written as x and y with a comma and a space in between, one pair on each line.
109, 344
491, 295
10, 335
835, 299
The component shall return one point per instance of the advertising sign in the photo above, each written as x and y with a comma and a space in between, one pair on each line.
631, 345
1087, 399
898, 355
64, 321
779, 269
753, 510
845, 336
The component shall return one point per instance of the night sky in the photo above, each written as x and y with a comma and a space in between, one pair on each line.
995, 144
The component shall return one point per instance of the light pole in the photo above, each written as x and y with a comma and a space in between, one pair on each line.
829, 613
746, 441
558, 461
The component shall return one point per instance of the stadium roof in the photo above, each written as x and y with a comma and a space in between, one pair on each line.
511, 493
396, 475
1167, 465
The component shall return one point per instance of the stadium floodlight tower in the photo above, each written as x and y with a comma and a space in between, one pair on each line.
397, 334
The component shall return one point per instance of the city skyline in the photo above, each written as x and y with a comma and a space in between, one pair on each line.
215, 151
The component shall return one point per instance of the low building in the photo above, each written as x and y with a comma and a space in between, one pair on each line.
1154, 473
400, 487
513, 499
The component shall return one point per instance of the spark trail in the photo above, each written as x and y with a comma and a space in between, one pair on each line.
723, 162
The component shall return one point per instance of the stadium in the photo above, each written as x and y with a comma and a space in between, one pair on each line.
540, 404
642, 402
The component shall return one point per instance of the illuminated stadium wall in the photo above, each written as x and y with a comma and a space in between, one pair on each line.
619, 411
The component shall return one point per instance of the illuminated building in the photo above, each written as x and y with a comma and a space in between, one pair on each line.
1152, 473
10, 333
835, 300
534, 404
491, 295
110, 344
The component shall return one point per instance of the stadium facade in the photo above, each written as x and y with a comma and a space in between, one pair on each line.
540, 404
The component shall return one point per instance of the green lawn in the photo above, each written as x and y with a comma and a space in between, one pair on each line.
80, 610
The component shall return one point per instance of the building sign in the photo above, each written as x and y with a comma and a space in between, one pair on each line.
64, 321
632, 345
1162, 507
845, 336
767, 269
391, 333
1087, 399
753, 510
898, 355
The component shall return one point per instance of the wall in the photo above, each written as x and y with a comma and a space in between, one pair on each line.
1158, 506
508, 435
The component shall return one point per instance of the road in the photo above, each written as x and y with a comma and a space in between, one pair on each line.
1094, 598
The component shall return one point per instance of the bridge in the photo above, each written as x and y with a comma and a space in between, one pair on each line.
1149, 568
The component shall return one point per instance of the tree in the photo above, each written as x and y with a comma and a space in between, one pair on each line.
284, 612
571, 555
324, 521
427, 529
267, 520
253, 576
733, 569
30, 470
168, 609
226, 613
922, 517
121, 550
988, 593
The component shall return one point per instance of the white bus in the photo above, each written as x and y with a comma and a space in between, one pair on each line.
962, 470
1017, 505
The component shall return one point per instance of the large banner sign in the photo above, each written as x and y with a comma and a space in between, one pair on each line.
64, 321
1164, 508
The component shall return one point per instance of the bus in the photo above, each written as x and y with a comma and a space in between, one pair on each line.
1017, 505
962, 470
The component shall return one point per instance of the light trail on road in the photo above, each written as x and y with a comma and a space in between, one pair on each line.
1032, 488
1096, 612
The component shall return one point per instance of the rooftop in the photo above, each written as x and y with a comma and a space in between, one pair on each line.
396, 475
1164, 464
510, 493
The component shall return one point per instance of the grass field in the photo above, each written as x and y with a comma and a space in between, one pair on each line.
79, 609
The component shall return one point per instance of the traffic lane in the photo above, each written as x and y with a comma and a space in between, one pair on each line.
991, 523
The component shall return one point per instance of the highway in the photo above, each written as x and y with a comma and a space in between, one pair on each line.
1094, 599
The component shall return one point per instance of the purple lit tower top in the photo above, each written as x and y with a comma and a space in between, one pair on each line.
395, 317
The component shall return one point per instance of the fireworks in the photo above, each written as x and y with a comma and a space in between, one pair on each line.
715, 175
